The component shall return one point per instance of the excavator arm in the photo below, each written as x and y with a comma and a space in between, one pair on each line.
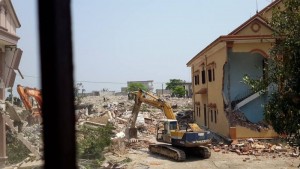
145, 97
140, 97
34, 93
159, 103
27, 92
24, 97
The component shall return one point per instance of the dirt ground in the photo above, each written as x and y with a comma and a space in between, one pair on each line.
142, 159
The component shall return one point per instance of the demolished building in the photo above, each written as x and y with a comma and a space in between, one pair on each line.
222, 102
10, 56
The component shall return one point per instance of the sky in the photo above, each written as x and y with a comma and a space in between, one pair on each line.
115, 41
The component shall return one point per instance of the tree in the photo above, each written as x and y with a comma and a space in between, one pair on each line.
176, 86
91, 144
179, 91
136, 87
283, 107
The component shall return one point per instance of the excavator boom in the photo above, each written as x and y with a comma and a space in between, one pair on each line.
148, 98
24, 97
34, 93
25, 94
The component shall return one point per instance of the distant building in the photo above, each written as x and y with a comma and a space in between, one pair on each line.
95, 93
188, 88
124, 89
148, 84
163, 92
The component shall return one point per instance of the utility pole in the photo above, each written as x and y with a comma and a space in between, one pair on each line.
162, 89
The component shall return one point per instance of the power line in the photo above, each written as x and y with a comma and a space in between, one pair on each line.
36, 77
86, 81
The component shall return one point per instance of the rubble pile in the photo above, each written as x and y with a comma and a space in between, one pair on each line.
34, 135
100, 110
97, 111
257, 148
238, 118
117, 110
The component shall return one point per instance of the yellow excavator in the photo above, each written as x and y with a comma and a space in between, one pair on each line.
175, 143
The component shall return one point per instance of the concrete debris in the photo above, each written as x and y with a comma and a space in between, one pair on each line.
120, 135
98, 111
238, 118
255, 147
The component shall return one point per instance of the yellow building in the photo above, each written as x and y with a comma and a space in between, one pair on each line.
220, 98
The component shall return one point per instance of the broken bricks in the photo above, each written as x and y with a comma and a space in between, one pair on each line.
258, 148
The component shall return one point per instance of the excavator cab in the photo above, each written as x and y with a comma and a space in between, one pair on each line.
164, 128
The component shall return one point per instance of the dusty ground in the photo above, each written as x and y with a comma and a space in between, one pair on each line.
142, 159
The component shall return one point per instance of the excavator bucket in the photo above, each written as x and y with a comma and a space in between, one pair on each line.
131, 133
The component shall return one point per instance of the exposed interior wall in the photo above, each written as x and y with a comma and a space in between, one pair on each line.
254, 110
243, 63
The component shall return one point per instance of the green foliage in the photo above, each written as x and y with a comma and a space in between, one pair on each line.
10, 96
9, 90
176, 86
256, 84
136, 86
283, 114
94, 141
283, 107
16, 150
179, 91
174, 83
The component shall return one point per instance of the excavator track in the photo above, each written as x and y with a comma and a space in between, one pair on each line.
200, 151
204, 152
168, 151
